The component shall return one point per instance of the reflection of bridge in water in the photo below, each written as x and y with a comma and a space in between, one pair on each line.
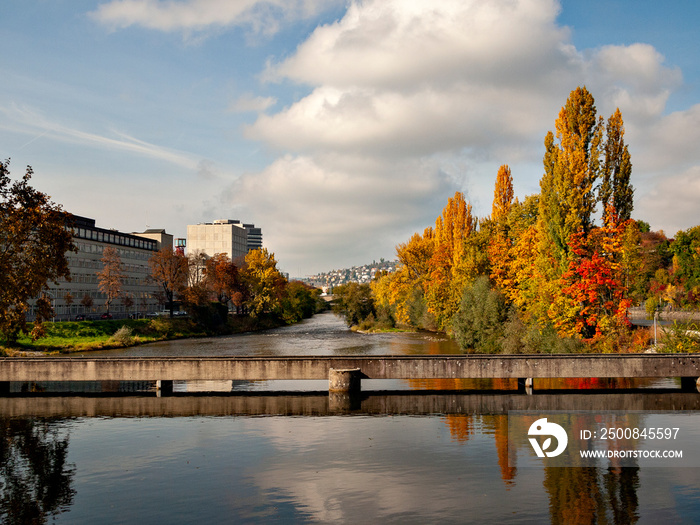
325, 404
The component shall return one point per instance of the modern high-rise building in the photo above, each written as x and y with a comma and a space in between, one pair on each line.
227, 236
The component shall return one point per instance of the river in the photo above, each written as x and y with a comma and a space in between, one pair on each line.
244, 455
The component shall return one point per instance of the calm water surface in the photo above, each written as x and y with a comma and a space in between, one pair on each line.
293, 459
324, 334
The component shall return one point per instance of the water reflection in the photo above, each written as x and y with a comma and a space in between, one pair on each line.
592, 495
37, 480
452, 465
246, 455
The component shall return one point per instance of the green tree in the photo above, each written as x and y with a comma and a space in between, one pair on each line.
354, 302
299, 301
686, 255
571, 168
615, 188
479, 323
35, 236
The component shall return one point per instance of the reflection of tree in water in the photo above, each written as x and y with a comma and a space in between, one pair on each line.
592, 494
35, 480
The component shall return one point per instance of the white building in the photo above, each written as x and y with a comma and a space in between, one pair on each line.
223, 236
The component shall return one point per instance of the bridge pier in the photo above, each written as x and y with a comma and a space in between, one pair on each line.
525, 385
164, 387
344, 380
690, 384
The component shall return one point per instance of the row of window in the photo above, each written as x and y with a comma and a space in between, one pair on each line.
124, 253
59, 297
92, 278
115, 238
96, 264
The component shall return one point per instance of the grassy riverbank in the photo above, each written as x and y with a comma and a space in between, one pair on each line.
83, 336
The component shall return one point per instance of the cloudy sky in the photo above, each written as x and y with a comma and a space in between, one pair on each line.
338, 127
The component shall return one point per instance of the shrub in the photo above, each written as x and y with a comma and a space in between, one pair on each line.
483, 312
124, 336
681, 338
521, 338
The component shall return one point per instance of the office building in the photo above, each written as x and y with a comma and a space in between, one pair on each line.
227, 236
82, 295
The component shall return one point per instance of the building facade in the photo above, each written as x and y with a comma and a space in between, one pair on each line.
227, 236
81, 295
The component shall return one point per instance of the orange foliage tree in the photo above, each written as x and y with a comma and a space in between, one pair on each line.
593, 300
444, 287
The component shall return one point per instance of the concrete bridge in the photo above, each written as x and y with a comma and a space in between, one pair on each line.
345, 373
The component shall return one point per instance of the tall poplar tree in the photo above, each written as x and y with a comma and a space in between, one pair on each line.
572, 166
502, 194
615, 188
443, 289
500, 243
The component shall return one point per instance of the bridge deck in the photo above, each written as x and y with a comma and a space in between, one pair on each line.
374, 367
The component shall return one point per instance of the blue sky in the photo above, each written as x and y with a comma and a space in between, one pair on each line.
340, 128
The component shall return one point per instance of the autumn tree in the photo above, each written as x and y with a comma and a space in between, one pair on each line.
571, 168
34, 239
69, 300
169, 270
593, 300
444, 286
401, 292
264, 283
502, 195
222, 278
500, 243
86, 302
196, 264
111, 277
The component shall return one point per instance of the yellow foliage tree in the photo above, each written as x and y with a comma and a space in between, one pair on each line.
502, 194
443, 289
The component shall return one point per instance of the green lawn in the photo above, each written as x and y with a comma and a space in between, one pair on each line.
80, 336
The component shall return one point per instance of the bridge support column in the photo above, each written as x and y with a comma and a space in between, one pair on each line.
164, 387
525, 385
4, 387
690, 384
344, 380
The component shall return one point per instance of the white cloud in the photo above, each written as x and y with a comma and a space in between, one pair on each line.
263, 16
397, 44
338, 208
405, 102
671, 203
